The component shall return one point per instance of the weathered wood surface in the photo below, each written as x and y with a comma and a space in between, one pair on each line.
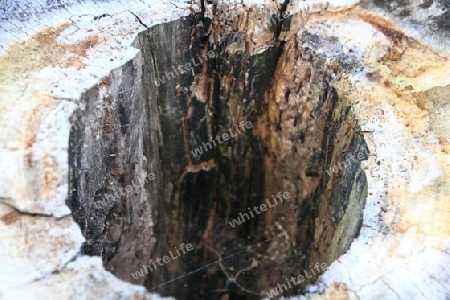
382, 72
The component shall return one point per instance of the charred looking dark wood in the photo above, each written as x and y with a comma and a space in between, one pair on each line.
194, 197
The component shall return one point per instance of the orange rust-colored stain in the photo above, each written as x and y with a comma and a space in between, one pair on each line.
422, 101
382, 25
404, 50
43, 49
10, 217
26, 57
47, 180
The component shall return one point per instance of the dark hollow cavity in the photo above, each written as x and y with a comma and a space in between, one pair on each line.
140, 189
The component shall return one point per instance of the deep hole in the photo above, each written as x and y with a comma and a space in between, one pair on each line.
148, 118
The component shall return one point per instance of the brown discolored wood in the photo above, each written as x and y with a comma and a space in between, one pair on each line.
300, 128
